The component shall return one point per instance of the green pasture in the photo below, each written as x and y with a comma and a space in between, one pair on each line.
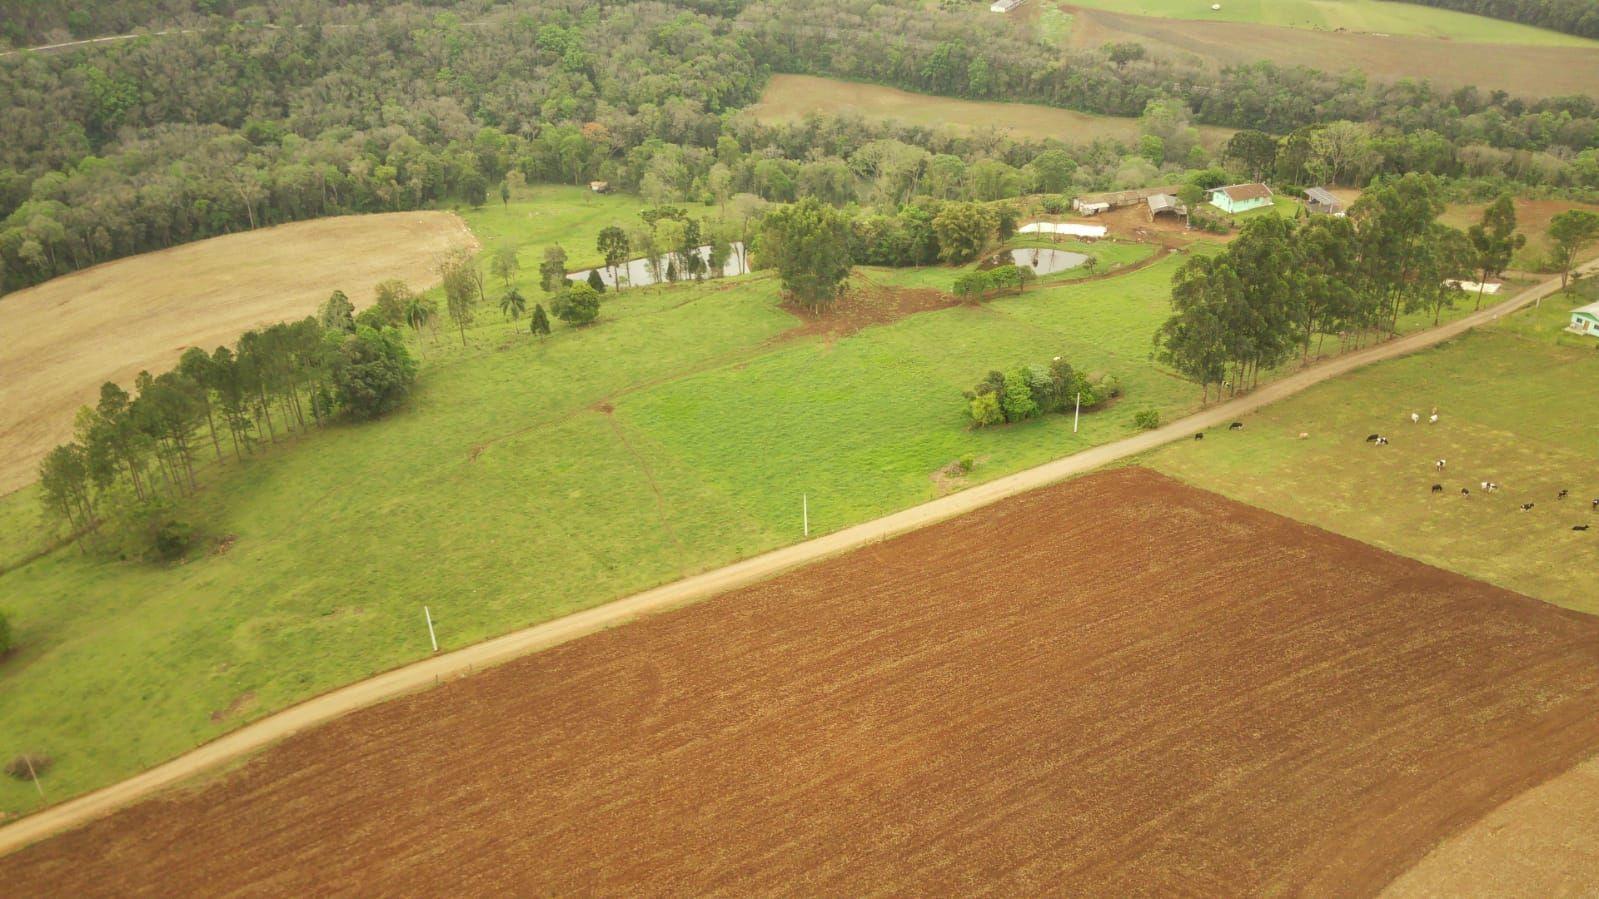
1372, 16
528, 479
1516, 407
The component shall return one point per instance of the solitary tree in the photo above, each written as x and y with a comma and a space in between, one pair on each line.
540, 326
1571, 231
614, 247
505, 265
808, 244
578, 305
338, 313
595, 281
512, 305
460, 290
552, 271
1494, 241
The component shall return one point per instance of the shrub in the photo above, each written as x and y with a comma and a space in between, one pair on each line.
972, 286
577, 306
985, 410
28, 766
1017, 400
966, 462
148, 530
1006, 277
372, 372
1147, 420
1055, 205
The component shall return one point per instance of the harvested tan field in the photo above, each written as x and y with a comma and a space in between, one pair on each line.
789, 98
1544, 842
1523, 70
1120, 684
66, 337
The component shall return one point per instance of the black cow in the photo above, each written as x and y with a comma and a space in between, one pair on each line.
1199, 436
1437, 488
1563, 494
1579, 527
1373, 438
1527, 507
1236, 426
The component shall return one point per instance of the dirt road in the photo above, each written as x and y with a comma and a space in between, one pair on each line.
430, 672
1176, 694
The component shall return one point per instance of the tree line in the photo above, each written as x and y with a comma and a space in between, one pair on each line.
140, 145
1282, 286
1580, 17
134, 453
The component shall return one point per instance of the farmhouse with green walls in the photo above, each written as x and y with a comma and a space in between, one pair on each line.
1240, 197
1585, 319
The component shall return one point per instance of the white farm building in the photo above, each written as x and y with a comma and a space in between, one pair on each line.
1070, 229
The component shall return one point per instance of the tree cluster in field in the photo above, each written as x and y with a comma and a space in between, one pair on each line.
813, 246
1580, 17
927, 231
133, 457
1029, 391
982, 284
1283, 285
139, 145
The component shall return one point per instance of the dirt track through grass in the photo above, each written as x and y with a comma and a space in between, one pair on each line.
66, 337
1173, 693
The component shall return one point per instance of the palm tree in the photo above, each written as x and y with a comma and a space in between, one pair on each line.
512, 305
420, 312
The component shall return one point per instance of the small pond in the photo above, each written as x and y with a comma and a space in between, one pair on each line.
1042, 260
639, 273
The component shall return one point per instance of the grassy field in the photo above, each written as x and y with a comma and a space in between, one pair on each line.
788, 98
1532, 219
142, 317
529, 479
1514, 408
1523, 69
1371, 16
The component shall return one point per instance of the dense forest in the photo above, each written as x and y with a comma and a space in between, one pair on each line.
1571, 16
138, 145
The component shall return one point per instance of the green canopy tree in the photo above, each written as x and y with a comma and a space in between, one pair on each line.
1571, 232
614, 247
1494, 241
540, 325
578, 305
808, 244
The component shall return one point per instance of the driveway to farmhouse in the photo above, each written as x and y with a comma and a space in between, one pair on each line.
431, 671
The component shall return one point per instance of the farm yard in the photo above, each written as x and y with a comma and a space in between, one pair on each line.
1178, 693
789, 98
67, 337
1508, 413
1560, 66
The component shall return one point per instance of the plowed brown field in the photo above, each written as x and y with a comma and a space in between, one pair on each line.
1116, 685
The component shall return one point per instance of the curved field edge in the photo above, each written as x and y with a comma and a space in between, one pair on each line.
69, 335
1509, 413
1179, 690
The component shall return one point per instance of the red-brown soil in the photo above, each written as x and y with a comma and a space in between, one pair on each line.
1119, 685
866, 303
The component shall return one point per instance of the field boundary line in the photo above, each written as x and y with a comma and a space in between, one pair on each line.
431, 671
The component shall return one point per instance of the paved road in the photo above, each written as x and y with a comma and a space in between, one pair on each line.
428, 672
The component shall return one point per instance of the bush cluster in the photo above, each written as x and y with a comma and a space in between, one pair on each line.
980, 285
1029, 391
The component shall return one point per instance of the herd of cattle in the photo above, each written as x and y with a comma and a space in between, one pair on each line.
1441, 464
